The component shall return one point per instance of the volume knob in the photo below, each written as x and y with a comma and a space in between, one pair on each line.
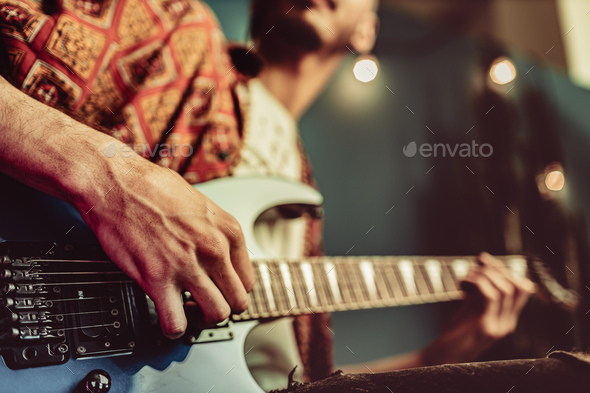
97, 381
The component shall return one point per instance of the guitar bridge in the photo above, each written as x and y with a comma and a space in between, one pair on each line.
52, 309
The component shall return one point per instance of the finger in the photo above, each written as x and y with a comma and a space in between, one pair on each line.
209, 298
194, 314
475, 279
525, 288
240, 258
491, 261
521, 301
522, 286
170, 310
506, 290
487, 259
232, 288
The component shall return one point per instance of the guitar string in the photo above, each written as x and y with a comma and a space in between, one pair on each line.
75, 299
32, 273
84, 282
352, 261
419, 260
79, 313
82, 327
318, 260
56, 314
68, 260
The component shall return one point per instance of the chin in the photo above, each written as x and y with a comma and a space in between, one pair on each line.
300, 33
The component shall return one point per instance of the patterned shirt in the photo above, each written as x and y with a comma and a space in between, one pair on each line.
153, 73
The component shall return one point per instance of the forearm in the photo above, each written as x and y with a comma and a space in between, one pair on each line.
46, 149
454, 346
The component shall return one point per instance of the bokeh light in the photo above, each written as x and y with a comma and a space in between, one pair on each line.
555, 180
502, 71
366, 69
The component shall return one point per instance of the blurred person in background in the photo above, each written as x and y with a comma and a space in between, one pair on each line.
301, 46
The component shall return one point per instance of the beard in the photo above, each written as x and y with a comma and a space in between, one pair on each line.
279, 34
297, 34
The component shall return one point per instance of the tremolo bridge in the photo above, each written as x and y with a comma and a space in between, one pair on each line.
53, 308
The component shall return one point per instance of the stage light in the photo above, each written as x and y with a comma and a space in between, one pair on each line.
502, 71
551, 182
555, 180
366, 69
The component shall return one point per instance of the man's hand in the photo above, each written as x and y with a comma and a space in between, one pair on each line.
169, 237
494, 300
149, 220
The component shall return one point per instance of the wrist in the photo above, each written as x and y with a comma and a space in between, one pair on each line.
104, 165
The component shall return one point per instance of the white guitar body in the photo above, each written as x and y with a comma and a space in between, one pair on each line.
221, 366
154, 366
209, 367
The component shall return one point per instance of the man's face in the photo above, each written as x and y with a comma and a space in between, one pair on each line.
309, 24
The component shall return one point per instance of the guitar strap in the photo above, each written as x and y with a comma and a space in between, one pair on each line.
313, 338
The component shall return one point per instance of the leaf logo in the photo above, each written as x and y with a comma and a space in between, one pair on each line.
410, 150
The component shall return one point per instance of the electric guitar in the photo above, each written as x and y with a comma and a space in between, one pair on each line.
71, 321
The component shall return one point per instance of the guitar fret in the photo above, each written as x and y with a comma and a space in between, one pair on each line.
288, 284
298, 285
253, 306
344, 283
421, 282
385, 294
281, 284
266, 284
310, 292
448, 280
396, 285
332, 277
432, 267
425, 279
278, 287
406, 271
460, 267
321, 285
259, 296
368, 274
330, 296
355, 282
383, 276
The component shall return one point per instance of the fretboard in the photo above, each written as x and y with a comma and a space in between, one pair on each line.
327, 284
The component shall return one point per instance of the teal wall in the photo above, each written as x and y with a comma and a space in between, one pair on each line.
233, 16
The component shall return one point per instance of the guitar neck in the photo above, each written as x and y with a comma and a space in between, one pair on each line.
326, 284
